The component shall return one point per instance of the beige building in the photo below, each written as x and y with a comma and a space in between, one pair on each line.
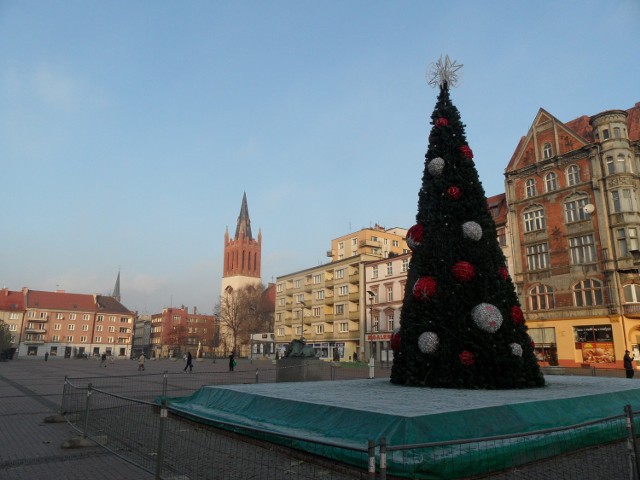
325, 305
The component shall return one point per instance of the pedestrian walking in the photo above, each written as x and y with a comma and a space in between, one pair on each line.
103, 360
46, 356
232, 362
189, 364
628, 364
141, 360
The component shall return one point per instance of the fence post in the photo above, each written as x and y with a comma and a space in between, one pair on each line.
257, 375
372, 460
163, 416
86, 411
632, 449
372, 368
383, 458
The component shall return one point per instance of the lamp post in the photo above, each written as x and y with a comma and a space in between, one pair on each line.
371, 295
301, 302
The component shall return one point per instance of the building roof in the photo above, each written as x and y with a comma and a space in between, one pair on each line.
110, 305
59, 300
244, 223
11, 300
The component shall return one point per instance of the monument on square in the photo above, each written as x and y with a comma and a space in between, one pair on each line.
461, 324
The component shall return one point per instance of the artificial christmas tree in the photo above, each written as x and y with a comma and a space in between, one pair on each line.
461, 324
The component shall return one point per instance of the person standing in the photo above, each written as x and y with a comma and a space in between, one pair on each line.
103, 360
232, 362
189, 364
628, 364
46, 356
141, 360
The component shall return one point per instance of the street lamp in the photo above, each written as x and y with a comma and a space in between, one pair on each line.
371, 296
304, 305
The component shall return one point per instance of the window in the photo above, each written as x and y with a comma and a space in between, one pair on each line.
374, 238
112, 329
502, 237
389, 294
389, 268
339, 273
297, 283
317, 311
627, 240
71, 327
55, 338
546, 150
98, 328
317, 279
57, 326
405, 264
69, 338
320, 329
574, 210
611, 167
395, 243
621, 164
300, 298
622, 200
530, 188
320, 295
354, 241
59, 316
376, 322
98, 339
587, 293
546, 349
340, 245
85, 328
538, 257
573, 175
390, 322
339, 309
72, 316
112, 318
13, 316
541, 298
582, 250
13, 327
616, 132
631, 293
605, 134
100, 318
280, 331
551, 182
279, 288
534, 219
124, 320
281, 301
110, 340
343, 327
374, 271
83, 339
343, 290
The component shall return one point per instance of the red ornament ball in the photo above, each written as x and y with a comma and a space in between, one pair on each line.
466, 152
424, 289
517, 315
395, 340
442, 122
463, 271
414, 236
467, 358
504, 273
454, 193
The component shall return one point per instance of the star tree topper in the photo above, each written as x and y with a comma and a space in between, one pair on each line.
441, 73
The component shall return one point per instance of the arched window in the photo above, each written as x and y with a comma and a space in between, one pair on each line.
587, 293
574, 208
534, 219
530, 188
631, 293
546, 150
573, 175
551, 182
541, 298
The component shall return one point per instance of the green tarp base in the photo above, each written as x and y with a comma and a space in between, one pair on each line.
349, 413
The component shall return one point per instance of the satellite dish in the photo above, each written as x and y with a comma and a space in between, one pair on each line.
589, 208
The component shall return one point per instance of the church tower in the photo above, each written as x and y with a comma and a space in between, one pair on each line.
242, 254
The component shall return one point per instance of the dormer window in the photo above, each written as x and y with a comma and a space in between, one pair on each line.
546, 150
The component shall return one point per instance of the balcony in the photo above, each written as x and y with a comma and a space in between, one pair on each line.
36, 330
370, 243
34, 342
631, 310
39, 320
354, 297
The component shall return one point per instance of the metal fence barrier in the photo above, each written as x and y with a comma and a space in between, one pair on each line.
121, 415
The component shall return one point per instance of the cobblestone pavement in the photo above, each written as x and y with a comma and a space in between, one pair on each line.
31, 390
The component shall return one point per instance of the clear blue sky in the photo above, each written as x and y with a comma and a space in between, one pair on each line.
129, 130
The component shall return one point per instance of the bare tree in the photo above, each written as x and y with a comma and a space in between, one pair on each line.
242, 312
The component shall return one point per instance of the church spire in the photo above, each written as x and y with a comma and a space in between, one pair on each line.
116, 288
244, 223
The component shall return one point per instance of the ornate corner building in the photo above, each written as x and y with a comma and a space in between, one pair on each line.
573, 196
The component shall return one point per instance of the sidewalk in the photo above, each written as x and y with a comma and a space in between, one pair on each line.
31, 390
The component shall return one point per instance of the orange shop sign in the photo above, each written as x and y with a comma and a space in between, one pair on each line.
375, 337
